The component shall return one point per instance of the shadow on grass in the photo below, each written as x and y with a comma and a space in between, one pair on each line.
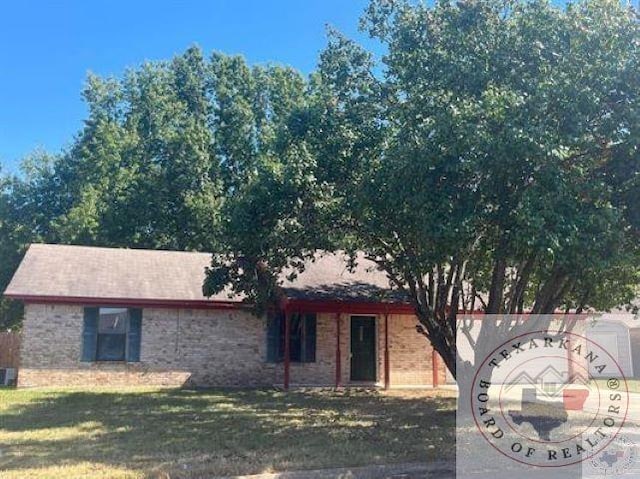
185, 433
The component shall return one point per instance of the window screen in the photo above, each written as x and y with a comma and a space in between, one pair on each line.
112, 334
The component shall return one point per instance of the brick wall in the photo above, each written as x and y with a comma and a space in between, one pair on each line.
208, 348
410, 356
178, 347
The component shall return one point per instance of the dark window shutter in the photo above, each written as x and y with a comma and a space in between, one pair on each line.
135, 332
309, 353
90, 334
273, 337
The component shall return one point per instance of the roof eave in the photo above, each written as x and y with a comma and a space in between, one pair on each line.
352, 307
297, 305
134, 302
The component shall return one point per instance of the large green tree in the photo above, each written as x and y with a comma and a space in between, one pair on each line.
492, 165
160, 152
26, 205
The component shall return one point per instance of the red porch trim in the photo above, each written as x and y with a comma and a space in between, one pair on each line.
287, 348
338, 353
434, 367
387, 372
355, 307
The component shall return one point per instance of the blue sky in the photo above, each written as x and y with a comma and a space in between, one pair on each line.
47, 48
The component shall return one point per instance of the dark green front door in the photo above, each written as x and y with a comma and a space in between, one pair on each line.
363, 348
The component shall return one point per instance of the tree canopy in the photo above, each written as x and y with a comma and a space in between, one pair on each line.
160, 151
492, 166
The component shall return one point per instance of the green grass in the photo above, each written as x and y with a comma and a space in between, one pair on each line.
136, 433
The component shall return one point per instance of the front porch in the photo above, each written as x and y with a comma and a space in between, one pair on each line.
373, 345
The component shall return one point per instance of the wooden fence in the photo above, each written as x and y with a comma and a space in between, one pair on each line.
9, 350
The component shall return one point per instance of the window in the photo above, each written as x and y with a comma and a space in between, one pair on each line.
111, 334
302, 340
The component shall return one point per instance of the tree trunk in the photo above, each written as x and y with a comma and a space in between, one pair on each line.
496, 293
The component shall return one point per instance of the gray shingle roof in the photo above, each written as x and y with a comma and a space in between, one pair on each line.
90, 272
329, 278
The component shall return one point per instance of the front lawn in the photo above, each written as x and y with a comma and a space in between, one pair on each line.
135, 433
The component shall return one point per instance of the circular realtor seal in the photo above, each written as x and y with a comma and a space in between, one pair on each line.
534, 401
617, 458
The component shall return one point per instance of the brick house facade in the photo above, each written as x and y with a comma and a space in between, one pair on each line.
188, 340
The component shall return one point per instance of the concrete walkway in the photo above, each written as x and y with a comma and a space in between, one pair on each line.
436, 470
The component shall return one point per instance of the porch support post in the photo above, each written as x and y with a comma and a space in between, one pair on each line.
338, 353
435, 365
570, 371
287, 348
387, 368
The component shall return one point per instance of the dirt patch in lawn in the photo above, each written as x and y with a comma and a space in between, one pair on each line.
187, 434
